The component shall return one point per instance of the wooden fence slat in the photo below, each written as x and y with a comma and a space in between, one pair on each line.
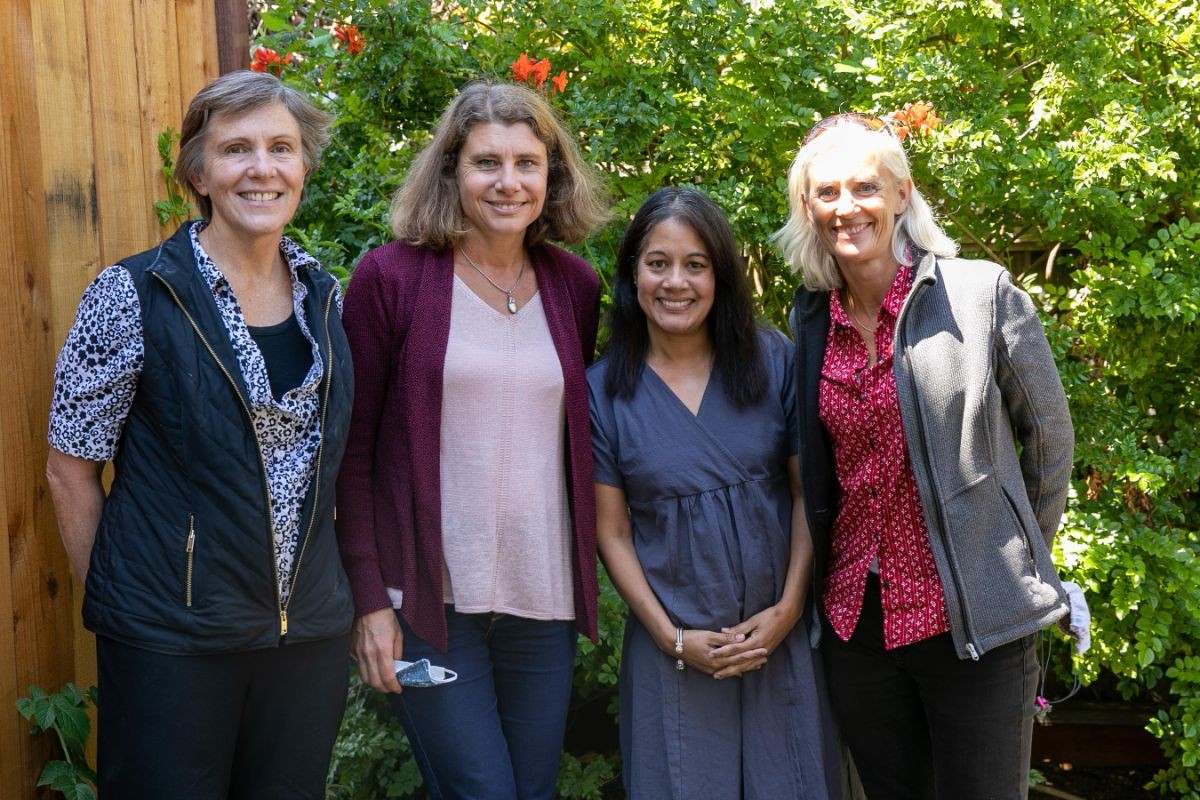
34, 567
156, 45
199, 61
233, 34
69, 183
125, 215
69, 187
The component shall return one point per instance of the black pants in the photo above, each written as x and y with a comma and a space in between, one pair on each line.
921, 723
259, 724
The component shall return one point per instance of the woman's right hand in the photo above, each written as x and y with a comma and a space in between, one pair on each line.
377, 642
706, 651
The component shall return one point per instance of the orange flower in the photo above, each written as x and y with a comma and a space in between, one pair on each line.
541, 71
522, 68
267, 60
349, 36
918, 117
560, 81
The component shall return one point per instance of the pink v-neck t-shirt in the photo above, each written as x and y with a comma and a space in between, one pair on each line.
506, 526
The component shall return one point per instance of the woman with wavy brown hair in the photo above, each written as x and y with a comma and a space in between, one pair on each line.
467, 514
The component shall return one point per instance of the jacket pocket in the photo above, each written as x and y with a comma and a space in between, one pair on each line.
1019, 522
191, 555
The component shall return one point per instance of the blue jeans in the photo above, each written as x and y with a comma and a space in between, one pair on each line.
496, 733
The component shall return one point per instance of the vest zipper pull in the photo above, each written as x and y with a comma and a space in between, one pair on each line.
972, 651
282, 623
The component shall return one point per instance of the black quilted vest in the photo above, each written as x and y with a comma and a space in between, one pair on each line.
183, 560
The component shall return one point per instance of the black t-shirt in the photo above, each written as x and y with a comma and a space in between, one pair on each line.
287, 353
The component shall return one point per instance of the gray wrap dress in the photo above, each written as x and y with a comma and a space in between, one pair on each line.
710, 508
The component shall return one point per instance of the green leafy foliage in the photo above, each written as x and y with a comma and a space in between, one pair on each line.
175, 209
64, 713
372, 758
1068, 152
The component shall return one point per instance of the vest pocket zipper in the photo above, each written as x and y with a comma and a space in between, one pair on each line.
191, 552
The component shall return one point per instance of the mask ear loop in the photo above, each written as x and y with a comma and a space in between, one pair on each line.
1044, 706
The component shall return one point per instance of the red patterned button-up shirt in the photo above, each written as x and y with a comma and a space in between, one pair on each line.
879, 515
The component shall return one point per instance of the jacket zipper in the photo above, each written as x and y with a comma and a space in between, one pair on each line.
257, 444
962, 597
320, 450
191, 549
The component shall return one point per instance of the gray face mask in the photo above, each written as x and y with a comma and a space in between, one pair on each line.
421, 673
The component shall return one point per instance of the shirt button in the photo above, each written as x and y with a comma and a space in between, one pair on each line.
874, 494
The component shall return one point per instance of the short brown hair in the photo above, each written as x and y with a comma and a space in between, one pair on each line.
238, 93
427, 210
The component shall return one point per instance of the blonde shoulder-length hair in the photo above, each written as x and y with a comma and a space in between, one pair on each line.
427, 211
916, 226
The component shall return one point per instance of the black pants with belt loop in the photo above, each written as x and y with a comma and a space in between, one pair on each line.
259, 724
922, 723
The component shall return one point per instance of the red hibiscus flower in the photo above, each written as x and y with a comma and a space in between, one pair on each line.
522, 68
267, 60
350, 37
541, 71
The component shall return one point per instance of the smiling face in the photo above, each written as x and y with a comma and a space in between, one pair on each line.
676, 282
853, 202
253, 172
502, 171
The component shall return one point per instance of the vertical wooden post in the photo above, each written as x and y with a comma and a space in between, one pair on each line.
233, 34
85, 89
36, 631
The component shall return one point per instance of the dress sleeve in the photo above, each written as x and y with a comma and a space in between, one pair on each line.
786, 365
604, 452
97, 372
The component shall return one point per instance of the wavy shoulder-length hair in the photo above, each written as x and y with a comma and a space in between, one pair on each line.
731, 327
917, 226
427, 211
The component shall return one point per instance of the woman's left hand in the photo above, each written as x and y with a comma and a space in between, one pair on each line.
765, 630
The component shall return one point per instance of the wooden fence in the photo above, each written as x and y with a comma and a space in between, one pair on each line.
86, 86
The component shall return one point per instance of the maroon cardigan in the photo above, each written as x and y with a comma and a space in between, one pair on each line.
389, 515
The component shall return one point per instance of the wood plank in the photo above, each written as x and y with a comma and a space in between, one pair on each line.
125, 215
69, 187
156, 46
35, 578
69, 181
233, 34
199, 63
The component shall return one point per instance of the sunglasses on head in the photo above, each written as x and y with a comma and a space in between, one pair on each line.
870, 122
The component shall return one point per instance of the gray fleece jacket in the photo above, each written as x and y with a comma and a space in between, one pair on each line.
989, 437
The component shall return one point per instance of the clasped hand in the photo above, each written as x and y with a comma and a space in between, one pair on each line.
732, 651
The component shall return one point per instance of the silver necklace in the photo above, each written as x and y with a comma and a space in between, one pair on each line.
512, 301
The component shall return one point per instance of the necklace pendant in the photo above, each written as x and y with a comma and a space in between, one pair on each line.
512, 304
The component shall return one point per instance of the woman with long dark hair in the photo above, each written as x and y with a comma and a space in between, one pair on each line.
693, 432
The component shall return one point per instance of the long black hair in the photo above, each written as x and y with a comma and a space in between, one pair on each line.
731, 327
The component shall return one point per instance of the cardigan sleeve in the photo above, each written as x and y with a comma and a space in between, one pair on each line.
584, 285
1036, 403
368, 322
